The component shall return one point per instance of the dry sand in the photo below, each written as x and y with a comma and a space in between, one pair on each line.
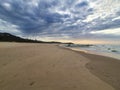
49, 67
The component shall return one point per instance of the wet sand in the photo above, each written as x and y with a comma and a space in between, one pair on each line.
106, 68
49, 67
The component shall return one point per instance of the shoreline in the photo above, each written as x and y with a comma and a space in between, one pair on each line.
104, 67
51, 67
105, 54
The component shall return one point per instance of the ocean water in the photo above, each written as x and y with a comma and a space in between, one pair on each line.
104, 50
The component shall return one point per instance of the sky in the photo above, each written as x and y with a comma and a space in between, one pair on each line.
79, 21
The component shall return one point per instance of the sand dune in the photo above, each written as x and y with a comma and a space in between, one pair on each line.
48, 67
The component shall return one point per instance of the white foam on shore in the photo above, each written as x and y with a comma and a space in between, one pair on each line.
96, 52
112, 55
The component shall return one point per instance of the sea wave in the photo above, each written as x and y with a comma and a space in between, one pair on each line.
104, 50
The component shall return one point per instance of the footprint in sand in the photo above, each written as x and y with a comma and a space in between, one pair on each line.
32, 83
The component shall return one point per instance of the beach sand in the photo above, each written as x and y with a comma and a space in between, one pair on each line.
107, 69
26, 66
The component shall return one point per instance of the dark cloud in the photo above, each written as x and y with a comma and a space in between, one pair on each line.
29, 19
82, 4
107, 23
53, 17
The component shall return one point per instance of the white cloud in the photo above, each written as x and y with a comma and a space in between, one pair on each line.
103, 9
8, 27
116, 18
7, 6
107, 32
33, 3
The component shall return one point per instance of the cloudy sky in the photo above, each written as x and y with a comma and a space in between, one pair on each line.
81, 21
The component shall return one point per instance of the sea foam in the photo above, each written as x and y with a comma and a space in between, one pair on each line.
104, 50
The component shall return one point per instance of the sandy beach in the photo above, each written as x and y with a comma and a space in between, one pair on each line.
26, 66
